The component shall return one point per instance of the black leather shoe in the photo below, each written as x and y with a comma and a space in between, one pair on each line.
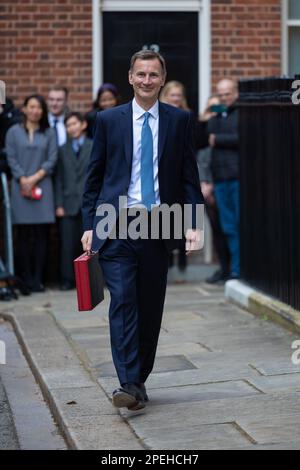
217, 277
144, 392
128, 396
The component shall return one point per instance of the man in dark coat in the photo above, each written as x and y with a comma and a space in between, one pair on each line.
141, 151
224, 139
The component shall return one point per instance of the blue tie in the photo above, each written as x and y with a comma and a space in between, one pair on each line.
147, 179
55, 122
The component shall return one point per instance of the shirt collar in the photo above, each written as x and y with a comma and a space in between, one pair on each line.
138, 112
52, 118
79, 141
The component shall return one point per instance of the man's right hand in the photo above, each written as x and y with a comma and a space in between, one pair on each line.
207, 189
86, 240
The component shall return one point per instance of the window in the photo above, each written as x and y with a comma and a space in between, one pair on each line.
294, 9
291, 44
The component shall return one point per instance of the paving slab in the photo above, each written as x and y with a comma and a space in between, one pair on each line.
209, 437
231, 410
277, 365
162, 364
272, 429
286, 382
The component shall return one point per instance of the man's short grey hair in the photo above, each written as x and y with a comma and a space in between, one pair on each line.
148, 55
229, 81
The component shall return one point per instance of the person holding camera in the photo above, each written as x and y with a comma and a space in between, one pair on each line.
224, 142
204, 156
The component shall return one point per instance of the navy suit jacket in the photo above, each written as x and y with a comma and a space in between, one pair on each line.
109, 170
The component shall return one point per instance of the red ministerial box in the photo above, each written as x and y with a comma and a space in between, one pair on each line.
89, 281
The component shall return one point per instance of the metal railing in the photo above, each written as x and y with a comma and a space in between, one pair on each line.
270, 188
8, 235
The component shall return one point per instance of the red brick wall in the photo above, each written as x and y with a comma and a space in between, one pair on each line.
47, 42
246, 38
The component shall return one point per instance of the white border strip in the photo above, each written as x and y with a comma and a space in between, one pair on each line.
204, 42
293, 22
284, 37
97, 47
151, 5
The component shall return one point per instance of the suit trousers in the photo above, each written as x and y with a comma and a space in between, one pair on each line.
135, 272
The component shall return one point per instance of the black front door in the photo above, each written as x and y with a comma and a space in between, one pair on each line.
175, 35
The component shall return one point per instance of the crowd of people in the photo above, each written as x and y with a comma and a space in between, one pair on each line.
46, 147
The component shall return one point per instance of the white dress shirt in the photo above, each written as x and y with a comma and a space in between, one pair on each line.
138, 116
60, 126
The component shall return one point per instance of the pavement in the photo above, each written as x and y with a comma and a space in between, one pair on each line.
26, 422
8, 436
223, 378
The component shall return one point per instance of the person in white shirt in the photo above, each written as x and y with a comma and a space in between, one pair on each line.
57, 106
141, 151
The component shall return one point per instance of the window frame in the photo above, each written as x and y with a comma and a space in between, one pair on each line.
287, 23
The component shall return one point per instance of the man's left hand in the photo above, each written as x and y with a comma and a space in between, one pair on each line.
194, 240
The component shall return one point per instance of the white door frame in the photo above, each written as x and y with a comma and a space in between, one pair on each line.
202, 7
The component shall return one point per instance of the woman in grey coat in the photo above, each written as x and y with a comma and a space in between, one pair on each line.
32, 154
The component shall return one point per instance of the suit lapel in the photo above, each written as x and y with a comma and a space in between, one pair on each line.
127, 131
164, 119
83, 156
70, 156
85, 150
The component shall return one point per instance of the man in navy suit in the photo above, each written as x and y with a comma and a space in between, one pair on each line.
142, 151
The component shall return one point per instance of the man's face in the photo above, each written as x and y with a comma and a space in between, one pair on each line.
57, 102
227, 92
147, 78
